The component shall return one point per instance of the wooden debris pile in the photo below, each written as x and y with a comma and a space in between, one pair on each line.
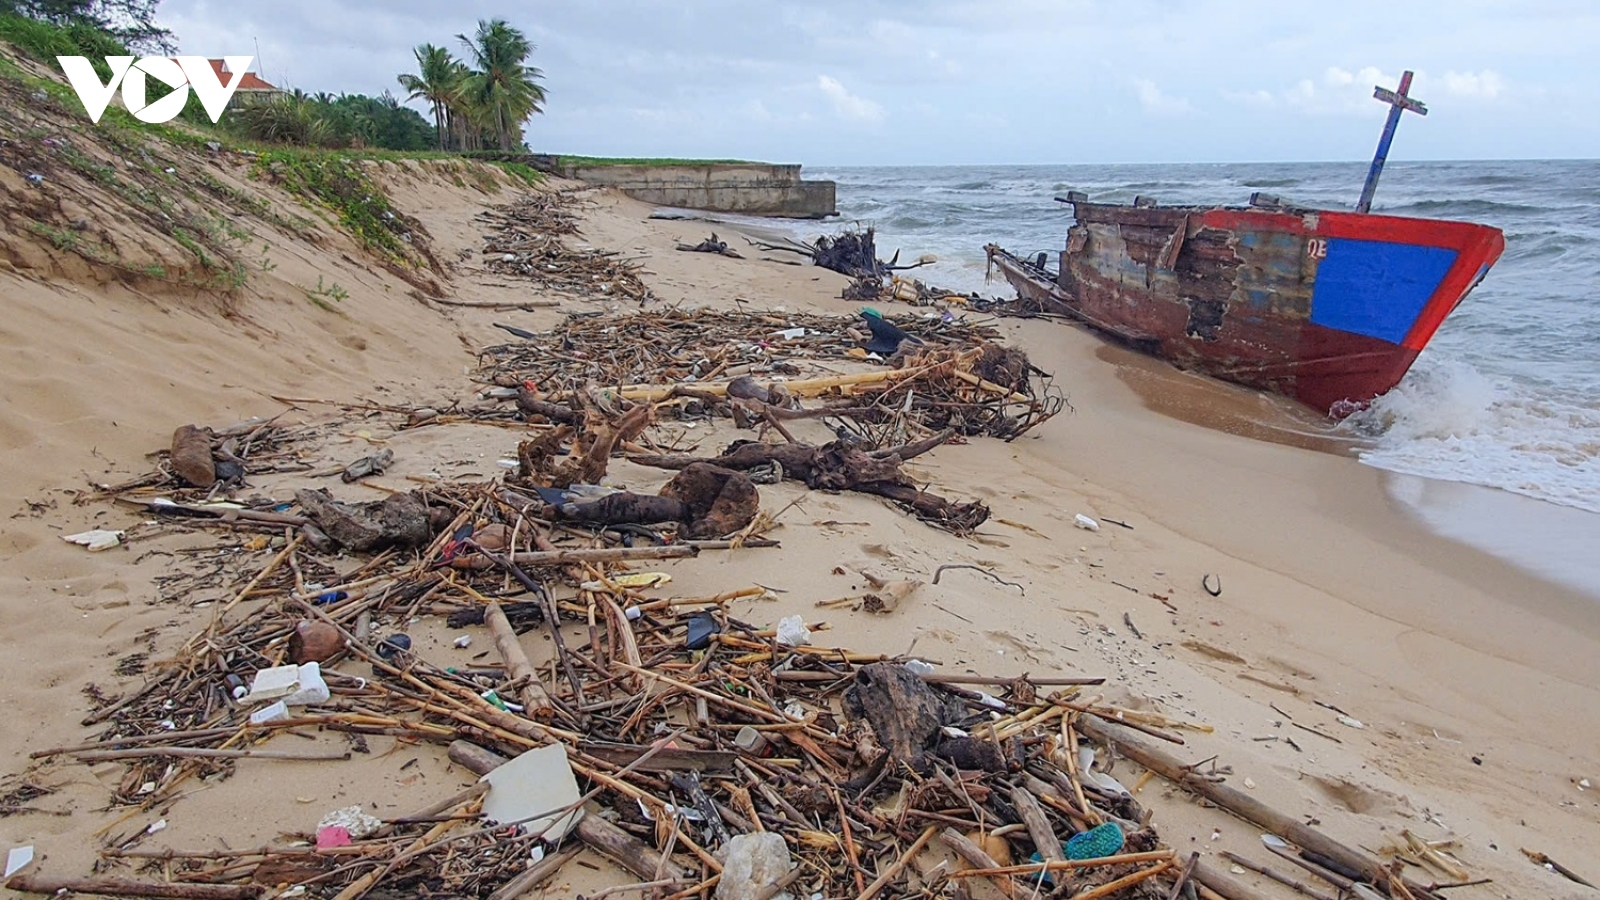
599, 383
527, 238
958, 377
693, 739
685, 728
852, 252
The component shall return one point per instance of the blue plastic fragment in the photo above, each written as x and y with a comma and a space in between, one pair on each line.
1100, 841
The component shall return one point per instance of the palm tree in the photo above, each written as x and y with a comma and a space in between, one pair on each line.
502, 90
438, 81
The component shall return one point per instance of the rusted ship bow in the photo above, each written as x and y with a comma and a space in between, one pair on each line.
1330, 308
1327, 308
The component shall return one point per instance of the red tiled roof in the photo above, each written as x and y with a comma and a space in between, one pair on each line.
248, 83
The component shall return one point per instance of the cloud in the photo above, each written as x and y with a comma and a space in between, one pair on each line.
847, 104
1158, 103
1484, 85
1249, 79
1338, 92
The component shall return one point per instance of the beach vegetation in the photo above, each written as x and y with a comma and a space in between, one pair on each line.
647, 161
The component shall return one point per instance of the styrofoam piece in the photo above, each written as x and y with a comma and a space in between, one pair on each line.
529, 788
273, 683
270, 713
310, 689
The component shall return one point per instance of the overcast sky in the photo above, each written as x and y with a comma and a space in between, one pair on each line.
863, 82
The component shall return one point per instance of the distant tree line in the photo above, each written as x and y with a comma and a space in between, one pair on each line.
326, 120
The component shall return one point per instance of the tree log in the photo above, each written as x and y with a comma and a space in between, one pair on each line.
130, 887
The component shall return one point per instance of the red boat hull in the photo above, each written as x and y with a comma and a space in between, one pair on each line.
1330, 309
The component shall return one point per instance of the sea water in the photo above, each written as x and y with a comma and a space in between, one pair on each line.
1506, 396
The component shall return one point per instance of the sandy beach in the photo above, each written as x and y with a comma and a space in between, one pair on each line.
1474, 682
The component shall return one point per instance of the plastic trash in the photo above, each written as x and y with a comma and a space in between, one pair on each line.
702, 627
356, 823
532, 785
1100, 841
310, 689
273, 683
752, 742
1100, 779
393, 644
17, 859
752, 862
792, 631
1086, 523
918, 667
270, 713
96, 540
236, 686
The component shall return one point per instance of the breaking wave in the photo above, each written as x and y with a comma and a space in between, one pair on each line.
1447, 420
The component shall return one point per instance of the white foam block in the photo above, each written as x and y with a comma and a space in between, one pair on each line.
534, 783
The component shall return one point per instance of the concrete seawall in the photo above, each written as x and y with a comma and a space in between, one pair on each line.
753, 189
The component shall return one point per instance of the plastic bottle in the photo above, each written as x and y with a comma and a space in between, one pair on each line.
236, 686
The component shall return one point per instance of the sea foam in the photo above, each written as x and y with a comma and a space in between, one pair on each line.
1450, 421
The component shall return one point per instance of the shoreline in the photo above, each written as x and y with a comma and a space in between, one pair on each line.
1539, 538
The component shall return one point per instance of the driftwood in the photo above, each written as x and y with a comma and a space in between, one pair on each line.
905, 714
396, 520
1240, 803
602, 554
708, 501
131, 887
535, 700
839, 466
712, 244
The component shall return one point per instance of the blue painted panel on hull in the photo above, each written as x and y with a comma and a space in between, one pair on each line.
1376, 288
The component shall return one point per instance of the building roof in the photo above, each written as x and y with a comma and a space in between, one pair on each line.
250, 82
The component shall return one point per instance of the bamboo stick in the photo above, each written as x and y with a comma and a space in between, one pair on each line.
206, 753
1235, 801
535, 700
1067, 864
601, 554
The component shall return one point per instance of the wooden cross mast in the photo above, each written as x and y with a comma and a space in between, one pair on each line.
1398, 103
